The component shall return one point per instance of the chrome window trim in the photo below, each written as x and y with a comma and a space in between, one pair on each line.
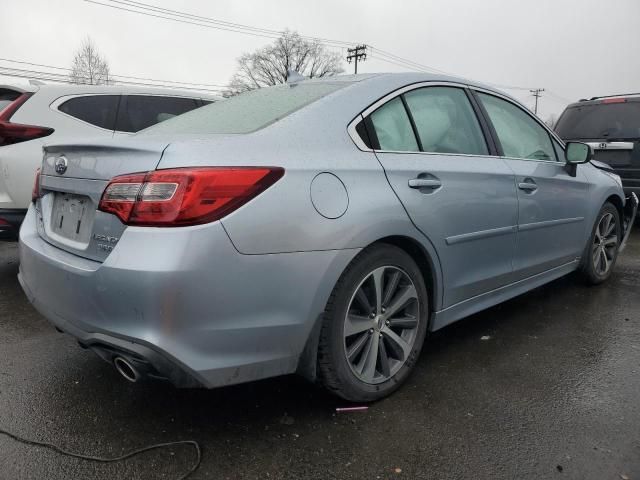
353, 133
351, 128
553, 162
436, 153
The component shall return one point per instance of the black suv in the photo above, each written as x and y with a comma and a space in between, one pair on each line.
611, 125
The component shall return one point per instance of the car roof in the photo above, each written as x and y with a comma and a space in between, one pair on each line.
377, 85
400, 79
61, 90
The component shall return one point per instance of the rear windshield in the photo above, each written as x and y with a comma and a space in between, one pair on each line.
601, 121
247, 112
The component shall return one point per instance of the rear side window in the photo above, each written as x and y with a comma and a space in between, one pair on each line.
519, 134
393, 127
613, 121
98, 110
7, 97
138, 112
445, 121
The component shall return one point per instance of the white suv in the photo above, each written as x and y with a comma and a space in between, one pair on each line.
31, 115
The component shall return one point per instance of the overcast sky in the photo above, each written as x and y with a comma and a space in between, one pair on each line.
573, 48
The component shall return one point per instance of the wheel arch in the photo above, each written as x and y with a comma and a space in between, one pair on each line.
618, 203
429, 265
425, 263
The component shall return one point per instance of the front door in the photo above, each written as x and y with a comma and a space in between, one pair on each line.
552, 203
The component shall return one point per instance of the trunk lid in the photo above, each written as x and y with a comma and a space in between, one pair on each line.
73, 178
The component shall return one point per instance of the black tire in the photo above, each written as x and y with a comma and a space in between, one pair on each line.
589, 269
336, 372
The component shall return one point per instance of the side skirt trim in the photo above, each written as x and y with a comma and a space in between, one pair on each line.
499, 295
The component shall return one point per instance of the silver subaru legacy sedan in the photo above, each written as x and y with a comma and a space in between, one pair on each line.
321, 227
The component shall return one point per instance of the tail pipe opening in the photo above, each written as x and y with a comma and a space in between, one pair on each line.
124, 368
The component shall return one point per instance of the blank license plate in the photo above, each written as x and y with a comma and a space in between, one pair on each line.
72, 216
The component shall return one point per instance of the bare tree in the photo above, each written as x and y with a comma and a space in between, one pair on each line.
269, 65
89, 67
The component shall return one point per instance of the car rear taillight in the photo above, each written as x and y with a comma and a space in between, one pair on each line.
16, 132
184, 196
35, 193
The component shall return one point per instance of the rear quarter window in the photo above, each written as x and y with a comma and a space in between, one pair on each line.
138, 112
98, 110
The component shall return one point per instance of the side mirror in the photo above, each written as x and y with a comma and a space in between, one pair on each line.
578, 152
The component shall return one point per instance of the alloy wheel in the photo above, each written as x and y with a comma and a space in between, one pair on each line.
605, 244
381, 324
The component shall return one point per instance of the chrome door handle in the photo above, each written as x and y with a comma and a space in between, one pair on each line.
424, 183
527, 186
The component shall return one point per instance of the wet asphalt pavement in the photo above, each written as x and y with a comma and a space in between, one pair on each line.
553, 393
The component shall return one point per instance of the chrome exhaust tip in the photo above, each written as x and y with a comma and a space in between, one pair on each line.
125, 369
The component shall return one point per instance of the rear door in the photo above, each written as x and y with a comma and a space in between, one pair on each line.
552, 203
440, 164
138, 112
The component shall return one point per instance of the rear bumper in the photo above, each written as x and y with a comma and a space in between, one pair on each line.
148, 361
10, 221
184, 301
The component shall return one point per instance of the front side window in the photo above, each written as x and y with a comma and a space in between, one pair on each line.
445, 121
393, 127
142, 111
98, 110
519, 134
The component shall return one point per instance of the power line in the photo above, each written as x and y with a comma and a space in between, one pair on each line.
150, 10
62, 78
113, 74
392, 58
424, 68
240, 26
559, 97
207, 22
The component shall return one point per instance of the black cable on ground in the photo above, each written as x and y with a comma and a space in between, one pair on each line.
133, 453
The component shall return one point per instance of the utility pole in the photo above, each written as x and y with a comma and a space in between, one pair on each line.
355, 54
536, 92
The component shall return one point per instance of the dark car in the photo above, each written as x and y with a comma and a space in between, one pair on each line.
611, 125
